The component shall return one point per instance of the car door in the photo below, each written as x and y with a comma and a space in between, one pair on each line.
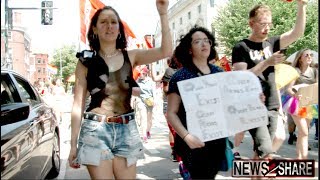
15, 142
41, 129
19, 137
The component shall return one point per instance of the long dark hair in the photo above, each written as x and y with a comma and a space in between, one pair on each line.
181, 52
94, 43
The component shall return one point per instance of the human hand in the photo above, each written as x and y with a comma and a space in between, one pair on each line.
276, 58
162, 6
72, 158
239, 137
193, 141
302, 2
262, 97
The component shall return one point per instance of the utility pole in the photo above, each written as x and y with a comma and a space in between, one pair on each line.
60, 64
7, 62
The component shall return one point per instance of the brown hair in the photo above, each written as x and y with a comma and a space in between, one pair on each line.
258, 10
296, 62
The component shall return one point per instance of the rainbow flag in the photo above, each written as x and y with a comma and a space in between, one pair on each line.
52, 69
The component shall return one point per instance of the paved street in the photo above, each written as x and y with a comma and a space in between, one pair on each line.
157, 164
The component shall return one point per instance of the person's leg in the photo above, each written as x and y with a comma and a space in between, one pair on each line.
317, 129
103, 171
262, 143
302, 141
143, 119
121, 171
149, 121
171, 142
276, 129
237, 141
291, 129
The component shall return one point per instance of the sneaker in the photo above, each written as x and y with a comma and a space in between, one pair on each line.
236, 156
148, 135
292, 138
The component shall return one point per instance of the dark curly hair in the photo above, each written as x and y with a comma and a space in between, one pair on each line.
94, 42
181, 52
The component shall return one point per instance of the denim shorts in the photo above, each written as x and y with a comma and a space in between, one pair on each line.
102, 141
263, 135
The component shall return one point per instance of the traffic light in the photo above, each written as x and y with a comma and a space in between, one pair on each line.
47, 12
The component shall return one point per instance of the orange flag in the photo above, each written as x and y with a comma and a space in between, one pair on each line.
223, 63
87, 10
148, 39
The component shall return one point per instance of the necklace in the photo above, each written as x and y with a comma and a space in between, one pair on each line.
107, 56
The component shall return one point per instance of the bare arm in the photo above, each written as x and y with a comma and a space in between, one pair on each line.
174, 102
80, 93
276, 58
291, 36
139, 57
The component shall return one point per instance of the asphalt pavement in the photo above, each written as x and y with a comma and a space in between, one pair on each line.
157, 163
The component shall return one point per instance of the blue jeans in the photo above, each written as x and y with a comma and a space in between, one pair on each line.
102, 141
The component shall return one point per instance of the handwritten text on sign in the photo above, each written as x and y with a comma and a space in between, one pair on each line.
223, 104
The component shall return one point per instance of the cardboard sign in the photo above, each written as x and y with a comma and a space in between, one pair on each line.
309, 95
223, 104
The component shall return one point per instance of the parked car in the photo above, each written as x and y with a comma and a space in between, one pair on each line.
30, 142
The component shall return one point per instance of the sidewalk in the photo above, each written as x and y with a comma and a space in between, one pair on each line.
156, 164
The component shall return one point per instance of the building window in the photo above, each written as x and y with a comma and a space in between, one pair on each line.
181, 21
43, 70
189, 15
199, 9
43, 61
9, 35
212, 3
38, 60
39, 70
173, 26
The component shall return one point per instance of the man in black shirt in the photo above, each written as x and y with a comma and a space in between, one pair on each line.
258, 53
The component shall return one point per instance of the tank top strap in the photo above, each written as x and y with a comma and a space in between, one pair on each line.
126, 56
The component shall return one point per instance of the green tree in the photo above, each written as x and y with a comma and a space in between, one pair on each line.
231, 24
68, 60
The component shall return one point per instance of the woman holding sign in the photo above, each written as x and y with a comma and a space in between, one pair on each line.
301, 116
203, 160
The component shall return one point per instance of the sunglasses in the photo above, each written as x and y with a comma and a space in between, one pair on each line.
263, 25
199, 42
306, 55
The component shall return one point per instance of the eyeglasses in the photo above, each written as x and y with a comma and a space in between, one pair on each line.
263, 25
306, 55
199, 42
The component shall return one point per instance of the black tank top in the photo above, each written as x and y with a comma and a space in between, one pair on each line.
109, 90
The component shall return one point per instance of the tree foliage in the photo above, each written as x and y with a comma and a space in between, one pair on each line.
231, 24
68, 60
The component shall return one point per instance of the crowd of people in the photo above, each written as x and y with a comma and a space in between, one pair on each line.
54, 94
104, 134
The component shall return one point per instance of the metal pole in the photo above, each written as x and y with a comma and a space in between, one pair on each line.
6, 24
60, 64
